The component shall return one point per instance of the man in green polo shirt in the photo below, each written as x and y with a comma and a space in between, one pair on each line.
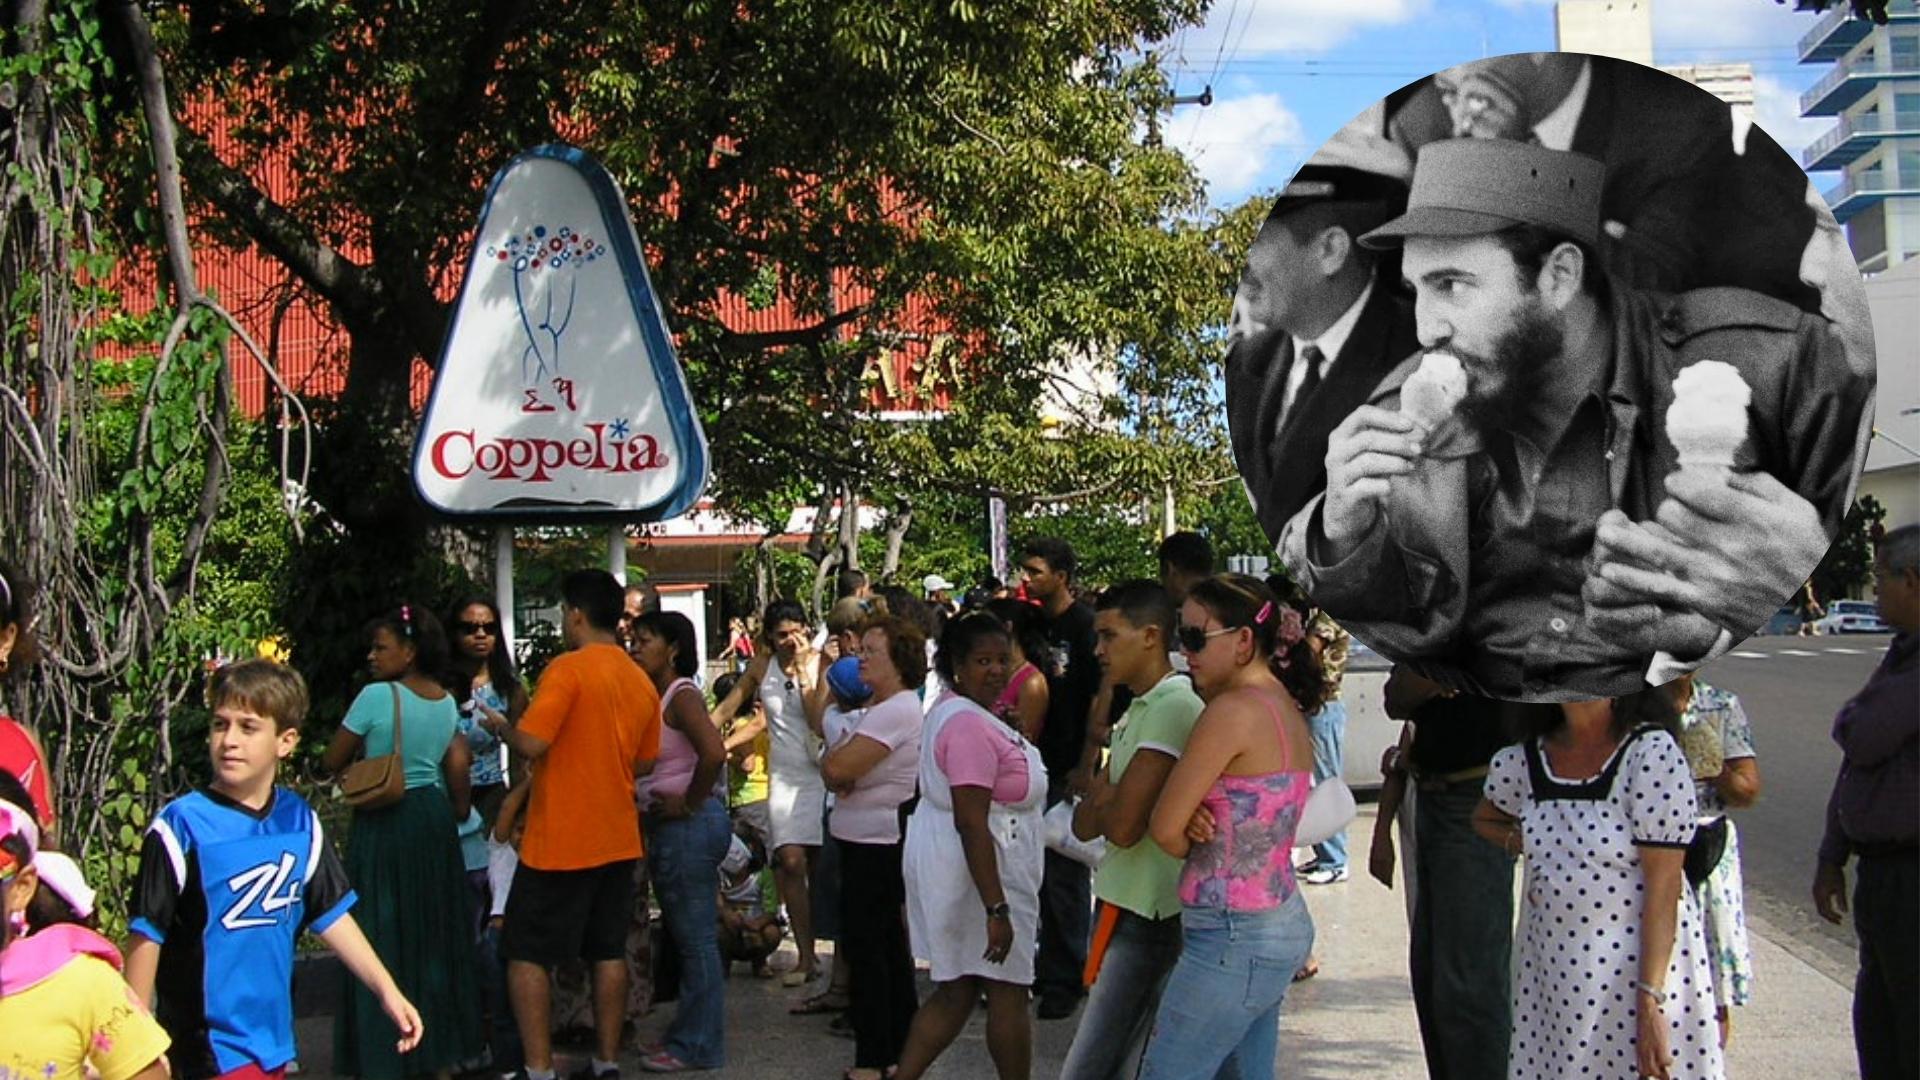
1137, 883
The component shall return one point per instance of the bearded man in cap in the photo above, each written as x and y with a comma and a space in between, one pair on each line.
1530, 543
1331, 328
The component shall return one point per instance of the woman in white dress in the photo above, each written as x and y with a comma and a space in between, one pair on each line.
796, 795
973, 858
1614, 977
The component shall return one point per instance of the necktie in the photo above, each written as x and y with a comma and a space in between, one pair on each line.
1315, 361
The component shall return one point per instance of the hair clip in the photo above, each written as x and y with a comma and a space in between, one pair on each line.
406, 619
1292, 627
1265, 613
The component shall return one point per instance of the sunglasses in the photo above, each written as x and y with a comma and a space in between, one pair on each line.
491, 629
1195, 638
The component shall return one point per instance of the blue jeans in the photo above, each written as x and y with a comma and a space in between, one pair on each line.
1119, 1014
1220, 1014
685, 856
1328, 726
1461, 947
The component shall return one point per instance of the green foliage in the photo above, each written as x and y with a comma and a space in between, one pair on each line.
1848, 564
234, 607
979, 158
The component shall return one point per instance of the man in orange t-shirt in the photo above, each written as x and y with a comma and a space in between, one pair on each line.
593, 725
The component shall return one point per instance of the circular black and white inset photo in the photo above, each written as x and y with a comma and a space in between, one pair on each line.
1550, 377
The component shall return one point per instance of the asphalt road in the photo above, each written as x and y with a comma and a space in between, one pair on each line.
1791, 688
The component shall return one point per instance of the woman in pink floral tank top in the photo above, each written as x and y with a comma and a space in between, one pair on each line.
1229, 809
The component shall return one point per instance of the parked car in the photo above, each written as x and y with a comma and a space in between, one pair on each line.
1852, 617
1369, 729
1785, 621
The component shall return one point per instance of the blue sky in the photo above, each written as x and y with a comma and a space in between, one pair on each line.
1287, 73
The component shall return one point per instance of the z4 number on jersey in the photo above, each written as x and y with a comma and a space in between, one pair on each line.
263, 891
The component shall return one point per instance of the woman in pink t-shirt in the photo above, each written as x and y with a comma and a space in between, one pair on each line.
973, 858
687, 836
872, 773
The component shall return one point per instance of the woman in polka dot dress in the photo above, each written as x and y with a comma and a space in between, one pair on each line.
1613, 978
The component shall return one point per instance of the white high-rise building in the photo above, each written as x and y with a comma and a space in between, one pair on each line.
1731, 83
1618, 28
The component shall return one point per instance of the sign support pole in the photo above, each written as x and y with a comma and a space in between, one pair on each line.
617, 552
503, 583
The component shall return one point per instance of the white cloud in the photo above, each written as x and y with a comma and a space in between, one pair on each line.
1240, 144
1252, 27
1730, 30
1776, 109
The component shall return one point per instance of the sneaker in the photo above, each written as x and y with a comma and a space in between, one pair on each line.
585, 1072
1325, 875
663, 1062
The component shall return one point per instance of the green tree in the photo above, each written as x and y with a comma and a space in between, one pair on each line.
1848, 564
981, 157
846, 157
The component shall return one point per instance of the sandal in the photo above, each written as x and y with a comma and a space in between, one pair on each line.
832, 1001
1307, 971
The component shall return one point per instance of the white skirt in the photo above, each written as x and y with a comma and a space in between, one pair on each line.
946, 918
796, 805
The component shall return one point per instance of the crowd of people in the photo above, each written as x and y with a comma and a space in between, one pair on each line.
892, 771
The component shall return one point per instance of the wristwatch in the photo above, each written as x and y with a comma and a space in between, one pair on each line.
999, 911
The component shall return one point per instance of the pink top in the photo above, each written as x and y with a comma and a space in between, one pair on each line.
1248, 865
31, 960
870, 813
975, 750
673, 768
1007, 705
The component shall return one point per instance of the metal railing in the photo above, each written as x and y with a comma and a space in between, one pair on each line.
1881, 64
1866, 124
1871, 182
1841, 12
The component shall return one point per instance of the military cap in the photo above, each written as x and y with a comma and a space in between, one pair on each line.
1468, 187
1338, 183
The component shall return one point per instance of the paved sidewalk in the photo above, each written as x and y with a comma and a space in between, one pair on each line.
1356, 1019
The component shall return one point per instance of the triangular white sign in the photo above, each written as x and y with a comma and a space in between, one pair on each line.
558, 393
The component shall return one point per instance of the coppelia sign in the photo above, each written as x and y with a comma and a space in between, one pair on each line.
558, 393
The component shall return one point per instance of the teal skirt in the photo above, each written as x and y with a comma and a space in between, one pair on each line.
404, 862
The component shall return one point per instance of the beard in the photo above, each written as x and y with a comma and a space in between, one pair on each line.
1504, 388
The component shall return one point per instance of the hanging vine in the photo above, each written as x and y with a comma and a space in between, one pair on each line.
112, 472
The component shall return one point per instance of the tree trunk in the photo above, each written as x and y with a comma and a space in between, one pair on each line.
897, 525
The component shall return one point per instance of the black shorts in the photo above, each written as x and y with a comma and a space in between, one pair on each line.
558, 915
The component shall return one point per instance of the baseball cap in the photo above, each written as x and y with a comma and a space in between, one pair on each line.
61, 874
935, 582
843, 678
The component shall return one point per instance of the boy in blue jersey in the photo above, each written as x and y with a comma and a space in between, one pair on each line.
229, 877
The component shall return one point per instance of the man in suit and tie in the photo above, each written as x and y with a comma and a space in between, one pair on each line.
1330, 324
